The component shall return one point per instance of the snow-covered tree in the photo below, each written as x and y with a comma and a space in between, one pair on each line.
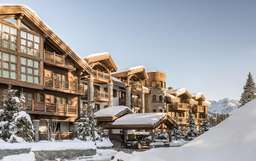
204, 126
177, 133
86, 125
192, 129
15, 124
249, 91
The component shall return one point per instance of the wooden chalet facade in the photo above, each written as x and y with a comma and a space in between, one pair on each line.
38, 63
136, 93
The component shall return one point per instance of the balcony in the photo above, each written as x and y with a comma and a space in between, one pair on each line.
56, 109
181, 120
70, 87
101, 76
101, 96
53, 58
56, 84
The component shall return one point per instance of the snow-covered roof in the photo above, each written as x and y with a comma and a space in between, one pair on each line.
199, 95
112, 111
140, 119
139, 70
97, 55
172, 98
182, 91
104, 56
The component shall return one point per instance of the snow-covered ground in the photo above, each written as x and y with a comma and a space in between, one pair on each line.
232, 140
223, 106
50, 145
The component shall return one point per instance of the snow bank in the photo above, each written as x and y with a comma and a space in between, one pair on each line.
104, 143
21, 157
49, 145
96, 55
232, 140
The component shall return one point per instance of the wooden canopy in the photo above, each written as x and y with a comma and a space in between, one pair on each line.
138, 72
28, 16
103, 58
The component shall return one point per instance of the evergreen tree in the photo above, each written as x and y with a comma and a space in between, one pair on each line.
177, 133
86, 126
249, 91
15, 124
204, 126
192, 130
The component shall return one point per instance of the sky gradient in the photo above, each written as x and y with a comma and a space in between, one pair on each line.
205, 46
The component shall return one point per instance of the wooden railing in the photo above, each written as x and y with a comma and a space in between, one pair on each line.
54, 58
72, 86
101, 75
71, 110
101, 95
50, 82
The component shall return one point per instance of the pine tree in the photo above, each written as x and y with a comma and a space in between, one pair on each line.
15, 124
192, 130
204, 126
86, 126
177, 133
249, 91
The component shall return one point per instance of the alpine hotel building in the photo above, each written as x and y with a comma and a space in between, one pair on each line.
57, 83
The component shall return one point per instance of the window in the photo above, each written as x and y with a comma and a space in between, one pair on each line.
39, 97
154, 110
7, 65
8, 37
29, 70
154, 98
28, 100
60, 80
29, 44
160, 98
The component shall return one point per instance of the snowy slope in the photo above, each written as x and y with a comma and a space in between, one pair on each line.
232, 140
223, 106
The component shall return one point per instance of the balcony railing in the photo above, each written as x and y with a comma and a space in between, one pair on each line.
101, 76
67, 86
54, 58
60, 109
52, 83
101, 95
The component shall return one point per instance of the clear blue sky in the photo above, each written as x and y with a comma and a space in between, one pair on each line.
203, 45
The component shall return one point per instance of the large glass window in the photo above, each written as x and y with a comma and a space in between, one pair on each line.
8, 37
8, 65
29, 43
29, 70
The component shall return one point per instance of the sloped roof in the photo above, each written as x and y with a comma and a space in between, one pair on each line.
112, 113
140, 70
198, 96
183, 91
141, 120
104, 56
31, 16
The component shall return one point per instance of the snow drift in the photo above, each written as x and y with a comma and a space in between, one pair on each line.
232, 140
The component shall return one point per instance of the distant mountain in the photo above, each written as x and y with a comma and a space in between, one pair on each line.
223, 106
